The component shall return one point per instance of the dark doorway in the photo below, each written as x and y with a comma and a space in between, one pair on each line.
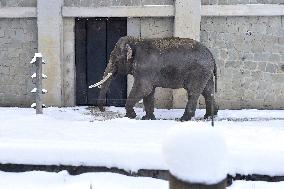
94, 40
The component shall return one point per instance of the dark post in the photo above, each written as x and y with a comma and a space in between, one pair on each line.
178, 184
37, 77
38, 85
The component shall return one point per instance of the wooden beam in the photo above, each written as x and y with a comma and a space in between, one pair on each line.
120, 11
243, 10
18, 12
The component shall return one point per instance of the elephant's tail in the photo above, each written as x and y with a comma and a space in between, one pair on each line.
215, 75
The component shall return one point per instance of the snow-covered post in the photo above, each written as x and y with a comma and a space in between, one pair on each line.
38, 91
196, 157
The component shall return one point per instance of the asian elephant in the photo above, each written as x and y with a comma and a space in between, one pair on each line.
162, 62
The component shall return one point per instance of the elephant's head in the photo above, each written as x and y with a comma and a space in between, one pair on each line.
120, 62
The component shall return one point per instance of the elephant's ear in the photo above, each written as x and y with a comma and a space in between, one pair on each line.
129, 52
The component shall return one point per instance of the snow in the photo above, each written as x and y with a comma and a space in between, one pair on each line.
62, 180
37, 55
196, 154
256, 185
43, 76
34, 105
35, 89
75, 136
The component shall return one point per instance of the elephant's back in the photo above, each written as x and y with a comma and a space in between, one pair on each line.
168, 44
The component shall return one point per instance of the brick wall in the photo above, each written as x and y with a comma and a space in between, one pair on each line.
249, 52
18, 43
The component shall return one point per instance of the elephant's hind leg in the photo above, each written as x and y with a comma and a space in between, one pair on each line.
149, 106
195, 86
138, 91
209, 99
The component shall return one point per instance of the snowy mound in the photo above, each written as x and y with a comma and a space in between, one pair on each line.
196, 154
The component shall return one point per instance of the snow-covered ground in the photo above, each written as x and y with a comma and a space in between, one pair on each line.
76, 136
62, 180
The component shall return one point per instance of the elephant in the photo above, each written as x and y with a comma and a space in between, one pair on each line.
162, 62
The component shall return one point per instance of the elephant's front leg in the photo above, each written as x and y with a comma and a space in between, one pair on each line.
138, 91
148, 102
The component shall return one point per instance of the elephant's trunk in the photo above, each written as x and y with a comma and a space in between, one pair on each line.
109, 73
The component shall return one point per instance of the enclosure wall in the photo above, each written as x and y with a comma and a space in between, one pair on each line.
18, 43
249, 53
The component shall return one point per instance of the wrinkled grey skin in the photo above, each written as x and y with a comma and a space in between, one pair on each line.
165, 62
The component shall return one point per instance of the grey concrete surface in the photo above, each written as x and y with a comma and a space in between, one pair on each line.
18, 43
249, 52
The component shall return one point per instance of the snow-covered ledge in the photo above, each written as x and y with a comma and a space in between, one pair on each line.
243, 10
120, 11
18, 12
149, 11
169, 10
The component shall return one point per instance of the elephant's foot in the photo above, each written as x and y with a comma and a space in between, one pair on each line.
149, 117
130, 114
185, 117
208, 115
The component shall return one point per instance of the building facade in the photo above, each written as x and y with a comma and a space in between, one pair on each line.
246, 38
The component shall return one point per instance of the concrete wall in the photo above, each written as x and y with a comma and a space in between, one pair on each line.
249, 52
18, 43
69, 70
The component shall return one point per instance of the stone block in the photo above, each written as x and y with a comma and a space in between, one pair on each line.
274, 57
271, 68
250, 65
156, 27
233, 64
2, 34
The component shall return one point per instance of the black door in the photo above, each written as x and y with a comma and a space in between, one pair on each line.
95, 39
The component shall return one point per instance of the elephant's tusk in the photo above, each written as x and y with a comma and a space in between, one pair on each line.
98, 84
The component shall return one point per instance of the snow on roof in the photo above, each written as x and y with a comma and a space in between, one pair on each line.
196, 154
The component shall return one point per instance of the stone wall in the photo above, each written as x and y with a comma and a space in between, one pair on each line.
234, 2
104, 3
18, 43
98, 3
249, 53
18, 3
